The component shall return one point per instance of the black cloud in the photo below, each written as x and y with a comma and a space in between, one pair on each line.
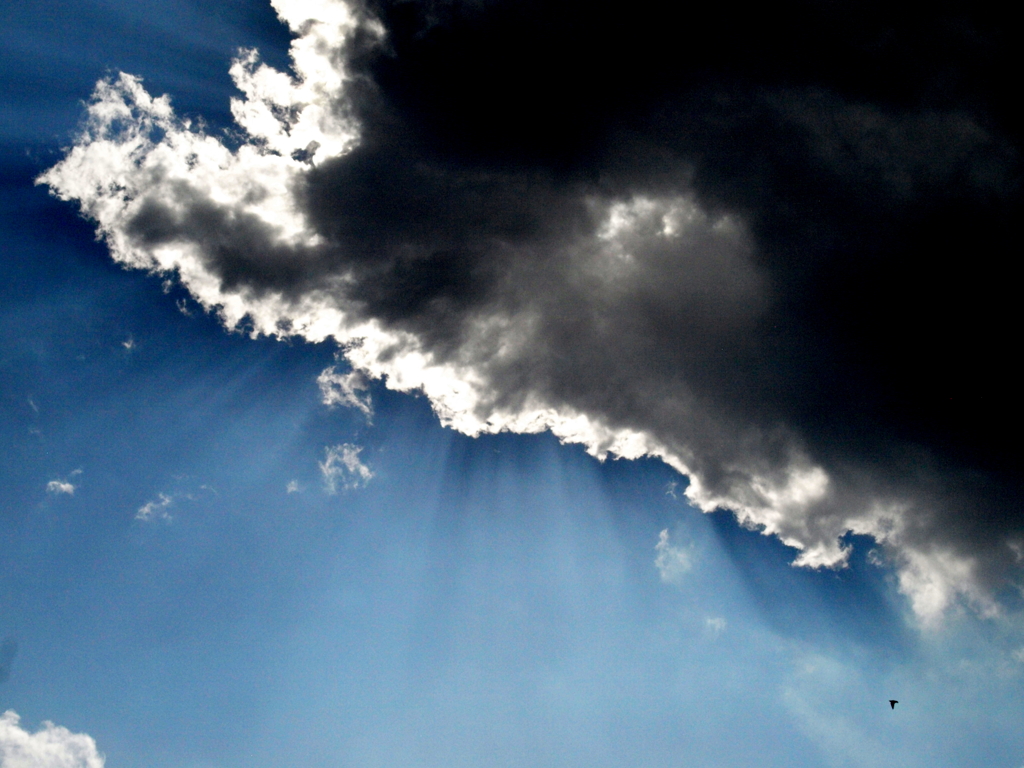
847, 291
873, 152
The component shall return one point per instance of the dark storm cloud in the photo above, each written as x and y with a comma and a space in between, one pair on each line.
775, 240
873, 154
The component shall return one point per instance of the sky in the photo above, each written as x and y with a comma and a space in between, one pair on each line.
504, 384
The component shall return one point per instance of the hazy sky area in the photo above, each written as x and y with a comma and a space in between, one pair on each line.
509, 384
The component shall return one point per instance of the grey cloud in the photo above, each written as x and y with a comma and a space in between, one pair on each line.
773, 244
239, 248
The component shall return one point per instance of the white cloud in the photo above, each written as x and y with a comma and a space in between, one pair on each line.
292, 487
58, 487
52, 746
341, 465
347, 389
672, 562
156, 509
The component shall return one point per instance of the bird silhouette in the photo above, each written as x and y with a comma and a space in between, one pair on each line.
893, 703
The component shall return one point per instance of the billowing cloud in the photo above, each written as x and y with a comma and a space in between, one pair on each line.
52, 746
736, 251
342, 466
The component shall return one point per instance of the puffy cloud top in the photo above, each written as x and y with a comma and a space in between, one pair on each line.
774, 263
52, 746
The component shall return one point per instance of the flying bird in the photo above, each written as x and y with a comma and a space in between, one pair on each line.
893, 703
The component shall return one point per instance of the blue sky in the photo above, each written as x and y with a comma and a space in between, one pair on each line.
183, 586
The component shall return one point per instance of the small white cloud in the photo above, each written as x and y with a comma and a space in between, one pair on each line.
32, 404
52, 746
57, 487
152, 510
348, 389
715, 625
341, 464
292, 487
1018, 655
670, 489
128, 344
671, 562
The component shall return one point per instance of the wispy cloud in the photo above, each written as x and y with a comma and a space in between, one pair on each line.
155, 509
672, 562
715, 625
347, 389
341, 466
292, 487
52, 746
